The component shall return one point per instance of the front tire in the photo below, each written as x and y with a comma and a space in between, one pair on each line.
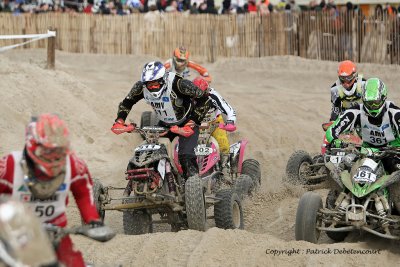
307, 218
137, 222
98, 196
195, 204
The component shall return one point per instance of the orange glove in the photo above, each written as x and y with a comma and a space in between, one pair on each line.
118, 126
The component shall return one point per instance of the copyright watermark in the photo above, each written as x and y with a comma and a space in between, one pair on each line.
322, 251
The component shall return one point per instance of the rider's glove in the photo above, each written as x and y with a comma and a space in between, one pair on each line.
118, 126
95, 224
229, 126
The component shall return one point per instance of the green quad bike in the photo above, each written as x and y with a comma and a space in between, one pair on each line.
361, 198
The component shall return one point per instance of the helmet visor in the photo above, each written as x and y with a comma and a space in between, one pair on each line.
52, 154
153, 85
180, 60
347, 79
374, 105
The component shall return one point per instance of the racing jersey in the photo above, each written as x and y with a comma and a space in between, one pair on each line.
343, 99
173, 107
375, 132
169, 65
52, 210
214, 105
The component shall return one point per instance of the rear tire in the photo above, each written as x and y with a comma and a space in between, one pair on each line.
195, 204
251, 167
297, 167
244, 186
228, 211
307, 219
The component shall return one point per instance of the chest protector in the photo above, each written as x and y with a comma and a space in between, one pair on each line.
163, 106
350, 100
45, 210
376, 135
185, 73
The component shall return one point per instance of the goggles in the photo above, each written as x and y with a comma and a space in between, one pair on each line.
180, 60
154, 85
373, 104
51, 155
347, 79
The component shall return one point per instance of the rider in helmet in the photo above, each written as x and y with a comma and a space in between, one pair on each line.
215, 105
345, 92
43, 174
181, 64
172, 99
376, 121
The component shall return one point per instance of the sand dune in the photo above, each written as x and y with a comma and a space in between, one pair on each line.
281, 103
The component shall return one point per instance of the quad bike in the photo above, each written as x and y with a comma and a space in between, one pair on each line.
361, 198
155, 187
23, 239
244, 176
306, 170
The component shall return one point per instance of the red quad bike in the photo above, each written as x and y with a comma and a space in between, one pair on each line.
244, 176
155, 187
311, 171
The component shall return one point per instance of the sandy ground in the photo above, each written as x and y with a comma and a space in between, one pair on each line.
281, 103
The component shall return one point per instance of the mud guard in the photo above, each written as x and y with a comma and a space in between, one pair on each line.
243, 144
175, 161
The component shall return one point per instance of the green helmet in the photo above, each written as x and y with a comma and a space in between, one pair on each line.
374, 96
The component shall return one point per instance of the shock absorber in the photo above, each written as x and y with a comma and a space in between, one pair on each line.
380, 209
170, 178
342, 207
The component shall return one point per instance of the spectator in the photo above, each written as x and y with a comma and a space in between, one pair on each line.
226, 6
193, 9
263, 7
252, 7
172, 7
211, 7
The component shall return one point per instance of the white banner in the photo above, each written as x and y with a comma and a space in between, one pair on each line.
35, 37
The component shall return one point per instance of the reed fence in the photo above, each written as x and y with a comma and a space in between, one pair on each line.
311, 35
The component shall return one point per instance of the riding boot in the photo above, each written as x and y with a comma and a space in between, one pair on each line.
189, 167
224, 162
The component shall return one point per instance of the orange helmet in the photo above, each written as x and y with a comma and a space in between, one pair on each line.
347, 73
180, 58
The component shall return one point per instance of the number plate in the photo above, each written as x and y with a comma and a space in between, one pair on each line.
364, 176
336, 159
203, 150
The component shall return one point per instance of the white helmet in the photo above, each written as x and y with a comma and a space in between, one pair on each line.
154, 77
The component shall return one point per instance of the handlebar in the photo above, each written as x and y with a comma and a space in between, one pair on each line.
101, 233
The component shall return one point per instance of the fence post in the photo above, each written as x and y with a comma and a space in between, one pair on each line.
51, 51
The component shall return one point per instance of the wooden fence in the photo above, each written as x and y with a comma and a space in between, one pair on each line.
311, 35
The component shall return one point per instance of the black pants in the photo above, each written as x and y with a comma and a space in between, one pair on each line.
186, 156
